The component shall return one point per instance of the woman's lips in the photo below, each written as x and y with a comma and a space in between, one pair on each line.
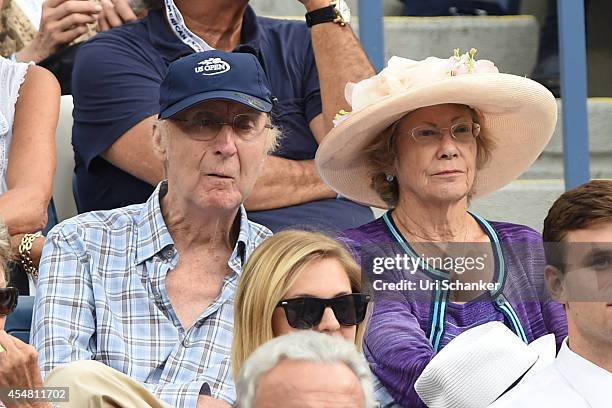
448, 173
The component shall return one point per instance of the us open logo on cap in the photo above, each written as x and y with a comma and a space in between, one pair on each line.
212, 66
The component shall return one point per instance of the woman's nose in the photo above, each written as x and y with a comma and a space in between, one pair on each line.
447, 148
328, 323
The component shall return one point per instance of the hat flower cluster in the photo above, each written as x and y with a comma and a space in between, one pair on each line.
402, 75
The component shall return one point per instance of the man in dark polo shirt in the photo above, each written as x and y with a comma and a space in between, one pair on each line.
116, 88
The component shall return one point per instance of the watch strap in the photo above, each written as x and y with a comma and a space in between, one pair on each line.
322, 15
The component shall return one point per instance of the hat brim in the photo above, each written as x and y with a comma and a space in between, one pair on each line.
546, 349
519, 115
233, 96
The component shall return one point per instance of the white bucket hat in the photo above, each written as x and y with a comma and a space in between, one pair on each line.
517, 113
479, 365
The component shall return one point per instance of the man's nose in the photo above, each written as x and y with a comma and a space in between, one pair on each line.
225, 142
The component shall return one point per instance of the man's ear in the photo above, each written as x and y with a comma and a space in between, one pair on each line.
160, 140
555, 282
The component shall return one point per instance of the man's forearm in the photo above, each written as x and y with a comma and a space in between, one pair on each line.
340, 59
285, 182
133, 153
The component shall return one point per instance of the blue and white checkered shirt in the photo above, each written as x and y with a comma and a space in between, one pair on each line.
102, 296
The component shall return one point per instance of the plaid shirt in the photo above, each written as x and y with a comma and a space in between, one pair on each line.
102, 296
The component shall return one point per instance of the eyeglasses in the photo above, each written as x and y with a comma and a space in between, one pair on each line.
306, 312
205, 126
8, 300
462, 132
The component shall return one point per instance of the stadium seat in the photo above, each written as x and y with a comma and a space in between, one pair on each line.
62, 183
19, 322
51, 217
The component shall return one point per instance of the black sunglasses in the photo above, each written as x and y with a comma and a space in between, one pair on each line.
8, 300
306, 312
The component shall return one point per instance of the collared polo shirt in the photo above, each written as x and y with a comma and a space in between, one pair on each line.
102, 296
570, 382
116, 81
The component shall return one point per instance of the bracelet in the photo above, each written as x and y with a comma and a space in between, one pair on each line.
25, 248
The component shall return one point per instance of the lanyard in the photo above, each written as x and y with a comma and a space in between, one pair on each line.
439, 300
177, 24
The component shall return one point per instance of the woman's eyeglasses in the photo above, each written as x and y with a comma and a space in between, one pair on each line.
8, 300
306, 312
461, 132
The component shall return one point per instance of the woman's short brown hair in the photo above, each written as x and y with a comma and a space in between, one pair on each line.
383, 151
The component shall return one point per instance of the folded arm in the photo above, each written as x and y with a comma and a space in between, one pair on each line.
398, 350
283, 182
340, 59
31, 163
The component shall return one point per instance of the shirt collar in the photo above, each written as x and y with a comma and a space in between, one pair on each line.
251, 29
172, 47
241, 250
592, 382
153, 235
152, 232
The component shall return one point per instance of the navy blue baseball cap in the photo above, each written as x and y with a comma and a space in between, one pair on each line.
214, 74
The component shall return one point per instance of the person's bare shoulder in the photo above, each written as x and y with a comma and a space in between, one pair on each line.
42, 81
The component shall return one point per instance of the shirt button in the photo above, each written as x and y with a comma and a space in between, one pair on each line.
186, 343
169, 254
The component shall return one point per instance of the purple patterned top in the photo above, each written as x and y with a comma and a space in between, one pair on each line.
401, 336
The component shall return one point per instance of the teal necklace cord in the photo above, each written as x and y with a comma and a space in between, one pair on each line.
440, 297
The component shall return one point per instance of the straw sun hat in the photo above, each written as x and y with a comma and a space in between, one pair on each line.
518, 114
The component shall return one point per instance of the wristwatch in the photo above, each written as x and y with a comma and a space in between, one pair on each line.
338, 12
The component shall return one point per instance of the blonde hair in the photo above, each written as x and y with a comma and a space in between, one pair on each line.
267, 276
5, 249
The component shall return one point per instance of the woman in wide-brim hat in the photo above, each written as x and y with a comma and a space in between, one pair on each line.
424, 138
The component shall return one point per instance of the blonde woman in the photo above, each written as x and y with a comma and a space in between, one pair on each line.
299, 280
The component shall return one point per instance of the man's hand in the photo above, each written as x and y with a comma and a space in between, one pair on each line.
61, 22
18, 369
205, 401
114, 14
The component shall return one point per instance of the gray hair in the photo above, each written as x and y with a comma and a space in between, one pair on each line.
306, 345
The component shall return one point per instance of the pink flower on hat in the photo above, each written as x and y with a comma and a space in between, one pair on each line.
467, 64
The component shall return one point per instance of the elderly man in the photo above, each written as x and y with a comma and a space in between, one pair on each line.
116, 81
305, 369
578, 243
148, 289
